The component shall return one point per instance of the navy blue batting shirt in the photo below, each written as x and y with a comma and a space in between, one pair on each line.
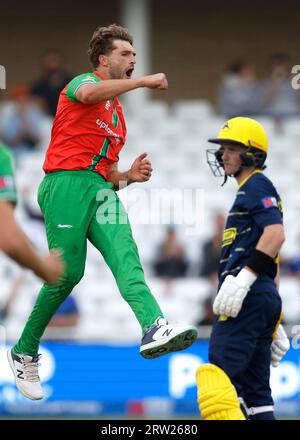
257, 205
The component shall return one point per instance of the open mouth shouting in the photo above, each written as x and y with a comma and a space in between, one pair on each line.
129, 72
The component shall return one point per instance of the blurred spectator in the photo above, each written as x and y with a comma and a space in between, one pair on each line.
239, 93
211, 252
279, 99
52, 80
170, 261
21, 123
208, 314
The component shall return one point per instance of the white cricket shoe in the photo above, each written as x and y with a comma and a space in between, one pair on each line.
25, 369
162, 338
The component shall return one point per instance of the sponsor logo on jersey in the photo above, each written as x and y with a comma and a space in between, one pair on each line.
228, 236
105, 126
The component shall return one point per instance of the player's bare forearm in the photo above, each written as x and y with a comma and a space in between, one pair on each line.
14, 243
108, 89
140, 171
119, 179
271, 240
20, 250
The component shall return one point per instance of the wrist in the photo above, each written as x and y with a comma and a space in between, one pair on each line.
260, 262
247, 277
129, 178
141, 82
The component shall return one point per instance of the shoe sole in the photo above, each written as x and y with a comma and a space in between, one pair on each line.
177, 343
11, 364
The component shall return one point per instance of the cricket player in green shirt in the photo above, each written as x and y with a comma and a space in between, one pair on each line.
82, 177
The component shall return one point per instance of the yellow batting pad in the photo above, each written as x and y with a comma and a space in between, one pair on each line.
217, 396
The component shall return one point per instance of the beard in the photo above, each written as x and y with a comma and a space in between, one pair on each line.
116, 73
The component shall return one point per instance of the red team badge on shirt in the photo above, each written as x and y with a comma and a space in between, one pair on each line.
269, 202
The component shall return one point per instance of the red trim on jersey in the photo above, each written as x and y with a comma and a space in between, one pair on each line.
98, 74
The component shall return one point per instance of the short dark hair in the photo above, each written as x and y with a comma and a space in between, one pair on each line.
103, 39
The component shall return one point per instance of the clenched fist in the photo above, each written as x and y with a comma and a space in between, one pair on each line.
140, 170
156, 81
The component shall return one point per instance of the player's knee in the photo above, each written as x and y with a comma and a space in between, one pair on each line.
217, 396
72, 277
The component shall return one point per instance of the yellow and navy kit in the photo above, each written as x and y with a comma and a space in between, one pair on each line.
257, 205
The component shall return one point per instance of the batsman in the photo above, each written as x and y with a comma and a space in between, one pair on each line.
247, 335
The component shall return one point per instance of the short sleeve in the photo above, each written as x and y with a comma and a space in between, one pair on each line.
78, 81
7, 181
264, 203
